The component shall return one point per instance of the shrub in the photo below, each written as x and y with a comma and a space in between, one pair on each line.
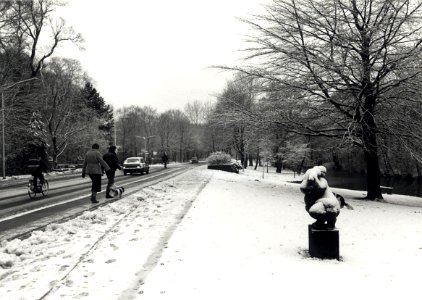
219, 158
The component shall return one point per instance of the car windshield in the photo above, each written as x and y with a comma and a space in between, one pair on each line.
134, 160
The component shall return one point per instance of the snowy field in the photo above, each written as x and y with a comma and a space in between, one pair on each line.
214, 235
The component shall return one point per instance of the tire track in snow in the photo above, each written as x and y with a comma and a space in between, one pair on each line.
155, 255
94, 246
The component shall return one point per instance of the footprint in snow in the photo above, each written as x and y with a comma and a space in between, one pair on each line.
82, 295
69, 283
63, 268
110, 261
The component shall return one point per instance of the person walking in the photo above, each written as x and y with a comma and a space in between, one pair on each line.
94, 166
113, 162
165, 159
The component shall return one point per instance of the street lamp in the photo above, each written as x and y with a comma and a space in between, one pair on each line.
122, 133
3, 151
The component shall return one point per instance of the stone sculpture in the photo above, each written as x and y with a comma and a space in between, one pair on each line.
320, 202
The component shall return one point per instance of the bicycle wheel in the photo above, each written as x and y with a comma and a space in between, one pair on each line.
45, 188
31, 191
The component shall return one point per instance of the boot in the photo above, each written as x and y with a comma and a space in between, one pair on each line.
94, 197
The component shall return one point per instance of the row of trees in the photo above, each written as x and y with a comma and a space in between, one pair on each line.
48, 103
181, 134
336, 80
337, 74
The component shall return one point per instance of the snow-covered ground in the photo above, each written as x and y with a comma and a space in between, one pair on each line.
213, 235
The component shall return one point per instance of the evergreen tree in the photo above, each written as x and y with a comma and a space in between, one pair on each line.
103, 111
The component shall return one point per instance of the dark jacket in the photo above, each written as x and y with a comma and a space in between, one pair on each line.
38, 166
112, 161
94, 163
43, 165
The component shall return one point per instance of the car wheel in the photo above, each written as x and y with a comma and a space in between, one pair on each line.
124, 173
147, 171
142, 172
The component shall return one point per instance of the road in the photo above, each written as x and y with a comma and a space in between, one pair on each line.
68, 197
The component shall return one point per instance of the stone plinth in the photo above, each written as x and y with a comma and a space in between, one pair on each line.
324, 243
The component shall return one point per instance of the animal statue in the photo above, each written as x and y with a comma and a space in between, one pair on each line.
320, 202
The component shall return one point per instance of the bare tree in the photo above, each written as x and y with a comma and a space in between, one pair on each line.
182, 133
346, 60
234, 112
63, 114
166, 130
195, 111
35, 22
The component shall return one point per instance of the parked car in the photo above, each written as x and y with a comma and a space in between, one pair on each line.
194, 160
135, 165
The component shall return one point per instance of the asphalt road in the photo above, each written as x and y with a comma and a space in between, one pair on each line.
68, 197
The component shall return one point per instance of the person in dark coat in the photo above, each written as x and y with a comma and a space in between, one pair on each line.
113, 162
37, 173
165, 159
94, 166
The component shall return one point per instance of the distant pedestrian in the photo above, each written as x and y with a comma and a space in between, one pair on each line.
94, 166
113, 162
165, 159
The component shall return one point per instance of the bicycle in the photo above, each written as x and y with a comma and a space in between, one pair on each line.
42, 189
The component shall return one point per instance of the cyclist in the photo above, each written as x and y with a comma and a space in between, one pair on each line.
37, 172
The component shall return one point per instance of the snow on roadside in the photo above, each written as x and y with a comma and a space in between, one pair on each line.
246, 238
98, 251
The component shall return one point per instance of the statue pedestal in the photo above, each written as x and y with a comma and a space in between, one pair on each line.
324, 243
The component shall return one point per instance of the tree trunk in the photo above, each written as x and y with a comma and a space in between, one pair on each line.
299, 169
336, 161
55, 152
418, 169
373, 176
278, 166
243, 160
181, 150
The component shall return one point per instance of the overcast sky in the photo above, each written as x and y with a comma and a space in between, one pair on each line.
158, 53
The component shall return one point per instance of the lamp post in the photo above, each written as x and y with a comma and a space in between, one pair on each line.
122, 132
3, 151
115, 135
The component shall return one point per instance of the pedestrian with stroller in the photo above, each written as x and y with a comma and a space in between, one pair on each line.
113, 162
94, 166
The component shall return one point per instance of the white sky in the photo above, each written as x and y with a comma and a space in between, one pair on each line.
157, 53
